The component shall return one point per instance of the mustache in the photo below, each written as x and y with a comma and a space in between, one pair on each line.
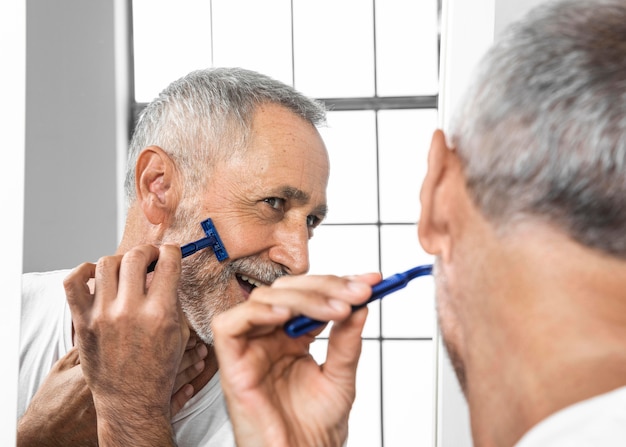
252, 266
265, 271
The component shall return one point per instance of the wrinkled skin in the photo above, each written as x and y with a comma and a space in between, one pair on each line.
64, 396
126, 330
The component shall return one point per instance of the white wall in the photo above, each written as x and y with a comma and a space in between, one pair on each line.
13, 51
71, 134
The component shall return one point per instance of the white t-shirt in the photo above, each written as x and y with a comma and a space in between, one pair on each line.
598, 422
46, 336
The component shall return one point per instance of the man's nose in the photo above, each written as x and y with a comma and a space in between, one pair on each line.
291, 248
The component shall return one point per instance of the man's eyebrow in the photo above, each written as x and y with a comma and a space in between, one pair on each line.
289, 192
298, 195
321, 211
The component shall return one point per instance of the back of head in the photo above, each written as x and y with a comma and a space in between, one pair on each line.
542, 130
206, 116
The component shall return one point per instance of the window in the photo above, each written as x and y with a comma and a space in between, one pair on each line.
375, 65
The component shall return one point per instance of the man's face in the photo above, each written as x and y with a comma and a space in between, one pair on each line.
265, 203
453, 229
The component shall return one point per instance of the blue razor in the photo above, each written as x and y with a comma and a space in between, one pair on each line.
301, 325
212, 239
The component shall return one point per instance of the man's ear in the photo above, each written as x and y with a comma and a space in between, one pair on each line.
157, 185
438, 198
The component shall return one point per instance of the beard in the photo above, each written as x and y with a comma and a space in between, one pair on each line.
208, 287
448, 325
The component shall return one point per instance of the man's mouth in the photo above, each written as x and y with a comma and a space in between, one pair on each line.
248, 284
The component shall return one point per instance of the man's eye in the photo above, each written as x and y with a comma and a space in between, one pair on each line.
313, 221
275, 202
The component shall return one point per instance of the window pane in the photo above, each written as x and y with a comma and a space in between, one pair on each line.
378, 159
351, 141
365, 419
404, 139
347, 250
406, 47
409, 312
408, 396
170, 40
254, 35
334, 48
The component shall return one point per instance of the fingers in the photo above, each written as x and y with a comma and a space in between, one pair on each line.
323, 298
191, 365
132, 272
180, 398
166, 274
192, 341
248, 319
76, 288
68, 361
193, 355
125, 276
187, 375
344, 346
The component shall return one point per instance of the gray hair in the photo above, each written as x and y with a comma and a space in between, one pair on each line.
542, 130
206, 116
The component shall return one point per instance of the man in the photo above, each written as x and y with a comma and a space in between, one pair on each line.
523, 207
229, 144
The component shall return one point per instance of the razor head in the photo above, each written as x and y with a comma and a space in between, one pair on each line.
214, 239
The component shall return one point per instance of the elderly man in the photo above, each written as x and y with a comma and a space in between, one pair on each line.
523, 206
229, 144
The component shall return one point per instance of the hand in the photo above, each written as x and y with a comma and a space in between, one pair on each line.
277, 395
61, 413
131, 338
190, 367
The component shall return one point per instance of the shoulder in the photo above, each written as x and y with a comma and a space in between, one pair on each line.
45, 330
43, 301
600, 420
36, 282
43, 290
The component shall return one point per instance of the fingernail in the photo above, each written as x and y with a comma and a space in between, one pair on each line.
199, 366
338, 305
280, 310
188, 390
358, 287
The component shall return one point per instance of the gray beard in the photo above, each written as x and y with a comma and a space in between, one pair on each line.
457, 364
453, 353
202, 292
204, 282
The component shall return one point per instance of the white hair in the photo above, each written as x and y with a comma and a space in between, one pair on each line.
542, 130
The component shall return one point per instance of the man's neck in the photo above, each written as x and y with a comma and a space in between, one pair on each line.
556, 335
504, 406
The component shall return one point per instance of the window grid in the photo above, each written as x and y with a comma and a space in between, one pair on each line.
338, 104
